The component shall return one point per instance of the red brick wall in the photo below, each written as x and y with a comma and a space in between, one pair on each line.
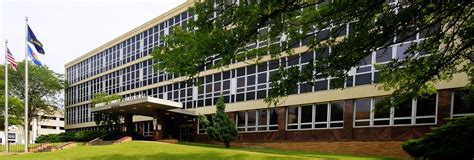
348, 120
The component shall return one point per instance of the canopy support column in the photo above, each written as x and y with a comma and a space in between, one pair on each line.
129, 124
158, 126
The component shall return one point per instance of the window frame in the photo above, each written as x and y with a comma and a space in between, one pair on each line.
313, 122
257, 126
452, 115
392, 118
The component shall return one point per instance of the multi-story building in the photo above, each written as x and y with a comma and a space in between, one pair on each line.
162, 105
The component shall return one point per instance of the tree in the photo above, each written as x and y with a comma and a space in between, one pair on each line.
222, 33
15, 105
109, 120
220, 127
45, 87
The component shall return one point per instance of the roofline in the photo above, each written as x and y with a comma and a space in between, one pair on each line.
133, 32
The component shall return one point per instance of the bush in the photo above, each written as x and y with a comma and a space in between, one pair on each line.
81, 136
84, 136
52, 138
454, 140
67, 136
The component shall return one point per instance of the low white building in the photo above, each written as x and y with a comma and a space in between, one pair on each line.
46, 124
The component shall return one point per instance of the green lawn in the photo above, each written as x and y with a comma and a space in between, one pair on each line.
155, 150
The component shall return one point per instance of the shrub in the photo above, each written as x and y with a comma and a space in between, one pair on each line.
81, 136
220, 127
52, 138
454, 140
67, 136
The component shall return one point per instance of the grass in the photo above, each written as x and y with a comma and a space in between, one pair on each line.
155, 150
291, 152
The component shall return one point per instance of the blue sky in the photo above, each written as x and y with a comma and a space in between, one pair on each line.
70, 28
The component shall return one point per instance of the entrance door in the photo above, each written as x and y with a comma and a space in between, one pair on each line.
185, 133
147, 128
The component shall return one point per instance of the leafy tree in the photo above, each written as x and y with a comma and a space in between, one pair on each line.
222, 33
220, 127
15, 111
109, 120
45, 87
15, 105
103, 97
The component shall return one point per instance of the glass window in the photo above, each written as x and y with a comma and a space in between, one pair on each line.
316, 116
262, 117
416, 111
383, 55
321, 85
251, 120
426, 105
460, 106
257, 120
241, 121
404, 110
321, 113
292, 117
381, 115
367, 60
293, 60
401, 49
337, 111
362, 79
307, 57
306, 114
251, 80
426, 109
262, 78
251, 69
241, 82
274, 116
262, 120
362, 109
362, 112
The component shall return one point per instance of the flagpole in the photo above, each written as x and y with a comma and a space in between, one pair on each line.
6, 99
26, 85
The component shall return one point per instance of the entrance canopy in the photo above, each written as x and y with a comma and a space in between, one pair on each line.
146, 106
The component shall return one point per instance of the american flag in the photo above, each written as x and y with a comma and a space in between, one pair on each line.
11, 60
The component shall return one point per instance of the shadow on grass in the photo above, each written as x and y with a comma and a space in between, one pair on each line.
203, 155
307, 154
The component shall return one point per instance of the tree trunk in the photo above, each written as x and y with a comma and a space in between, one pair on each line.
226, 143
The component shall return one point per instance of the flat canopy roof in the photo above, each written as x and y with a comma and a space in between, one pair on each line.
146, 106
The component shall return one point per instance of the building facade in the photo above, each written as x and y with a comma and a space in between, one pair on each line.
161, 105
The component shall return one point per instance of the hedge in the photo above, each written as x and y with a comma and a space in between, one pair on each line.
81, 136
454, 140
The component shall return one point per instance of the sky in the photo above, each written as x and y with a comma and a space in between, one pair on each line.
70, 28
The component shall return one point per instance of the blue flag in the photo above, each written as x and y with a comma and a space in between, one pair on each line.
32, 55
35, 42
